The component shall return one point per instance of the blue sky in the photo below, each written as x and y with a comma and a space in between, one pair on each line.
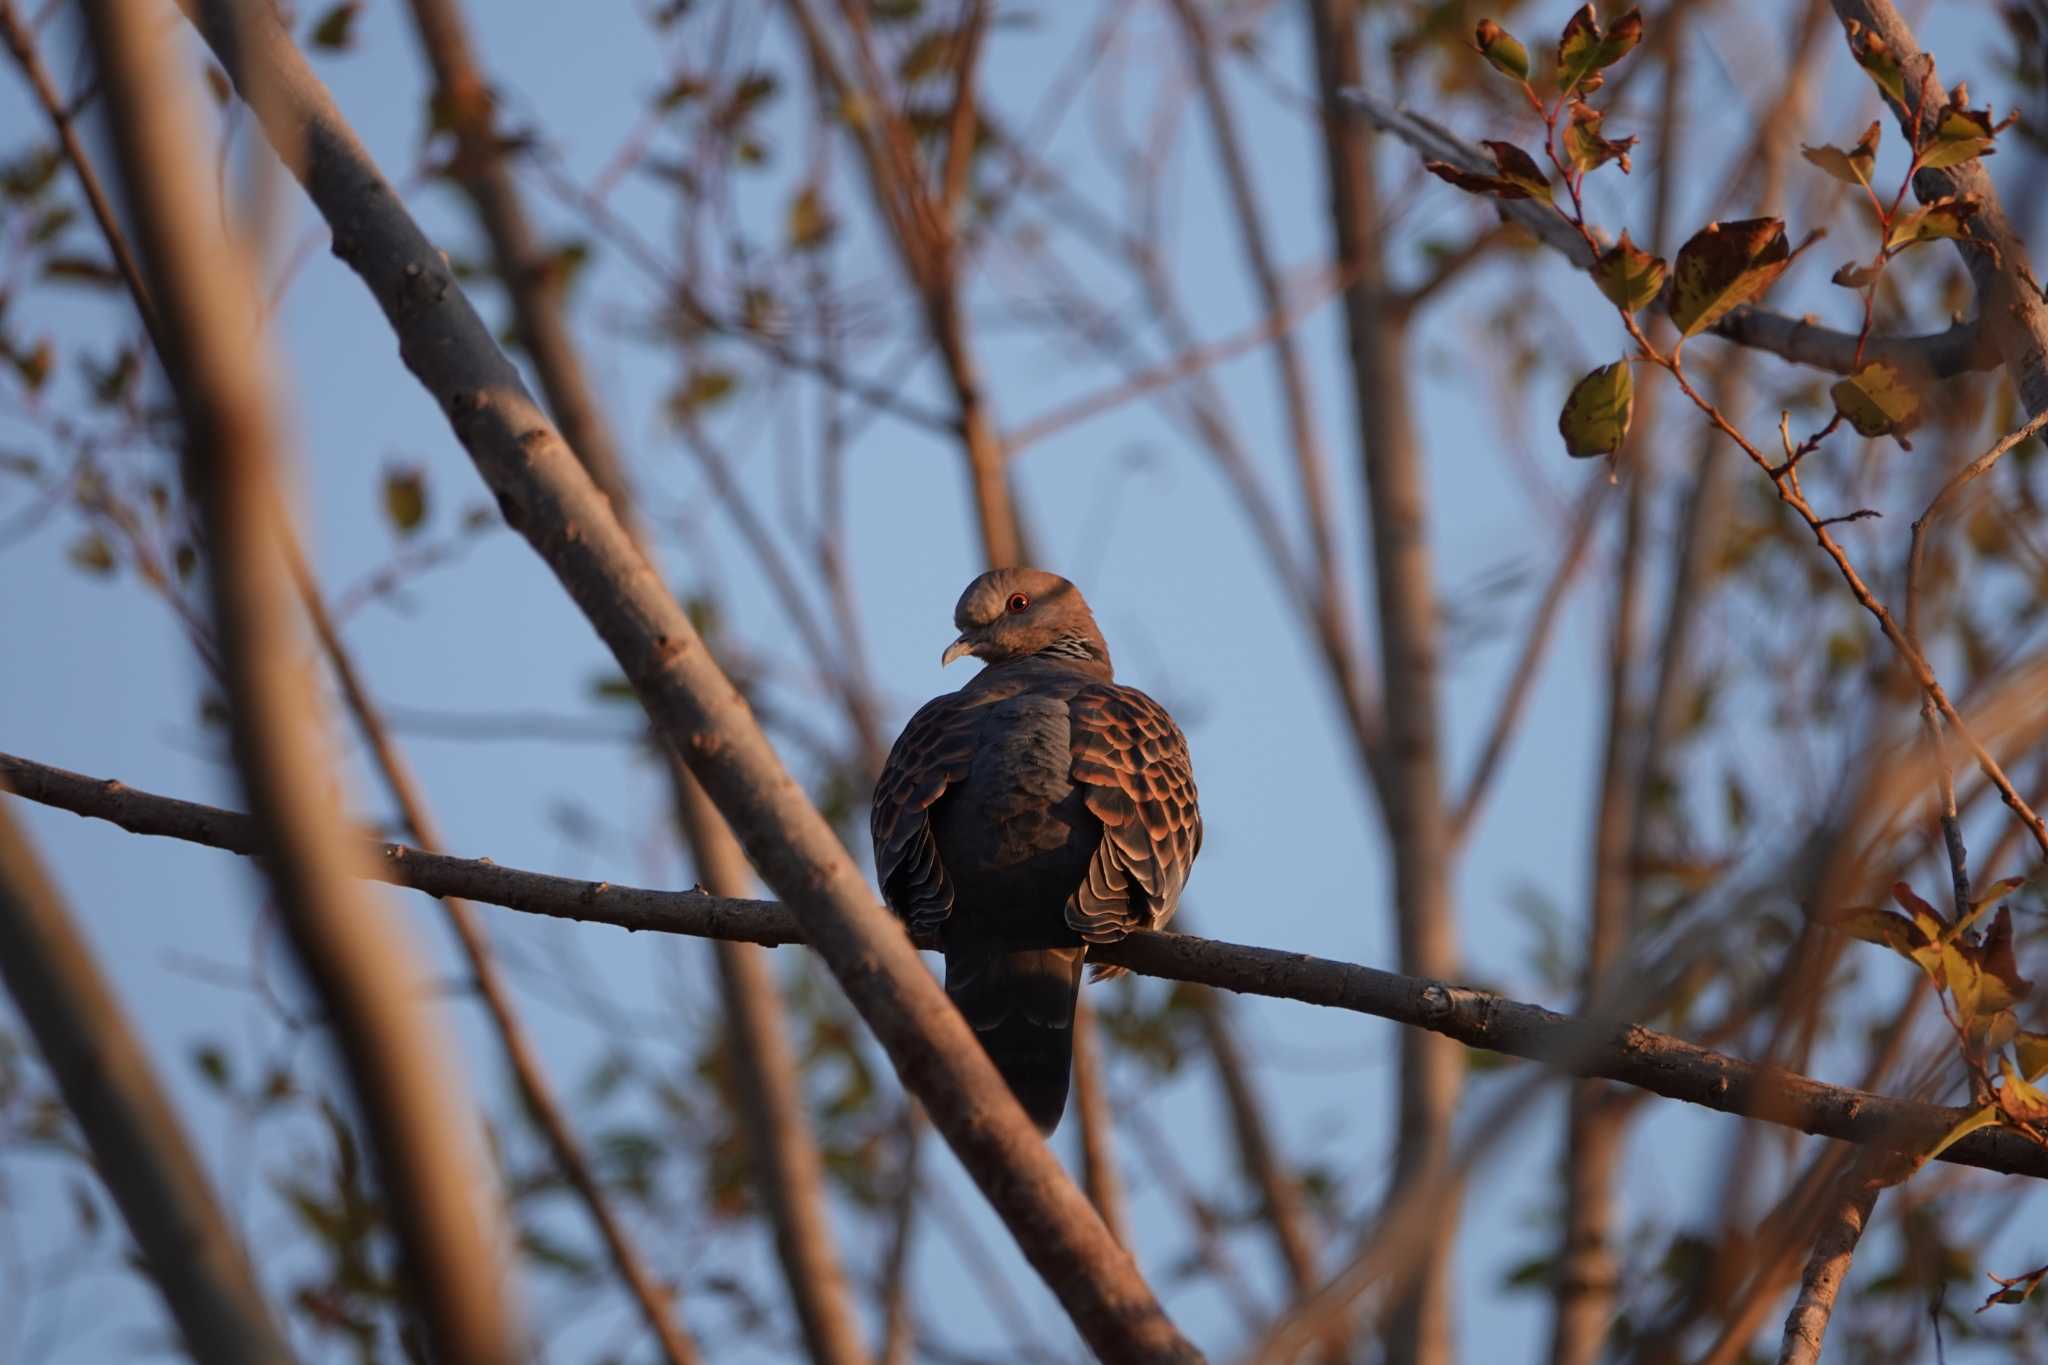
95, 675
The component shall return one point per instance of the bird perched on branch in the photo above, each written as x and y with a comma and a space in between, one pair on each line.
1041, 808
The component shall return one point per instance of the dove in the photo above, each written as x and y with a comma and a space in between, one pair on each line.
1042, 808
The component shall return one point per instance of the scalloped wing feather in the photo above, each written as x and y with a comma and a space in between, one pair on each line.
1132, 763
932, 753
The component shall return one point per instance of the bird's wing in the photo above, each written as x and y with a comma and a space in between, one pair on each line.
1131, 763
932, 753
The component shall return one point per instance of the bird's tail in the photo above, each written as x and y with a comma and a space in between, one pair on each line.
1021, 1004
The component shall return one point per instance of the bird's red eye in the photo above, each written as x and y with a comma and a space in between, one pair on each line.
1018, 601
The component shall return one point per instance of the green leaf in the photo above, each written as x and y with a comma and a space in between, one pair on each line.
1501, 50
91, 553
335, 29
1959, 135
1877, 400
1584, 148
2032, 1049
809, 224
1947, 217
933, 54
84, 270
1987, 1117
1875, 56
1597, 411
1519, 176
680, 92
1852, 167
1583, 49
405, 498
700, 389
1628, 275
1724, 266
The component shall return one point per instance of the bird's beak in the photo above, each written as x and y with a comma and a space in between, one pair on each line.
959, 649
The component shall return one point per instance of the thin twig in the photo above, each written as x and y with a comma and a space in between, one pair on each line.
1826, 1268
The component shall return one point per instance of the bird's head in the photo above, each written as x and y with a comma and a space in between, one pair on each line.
1011, 614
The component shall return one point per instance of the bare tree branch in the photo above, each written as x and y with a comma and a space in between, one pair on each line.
1098, 1153
1826, 1268
1412, 797
782, 1152
537, 1092
1627, 1053
1278, 1189
1528, 662
413, 1105
552, 502
189, 1249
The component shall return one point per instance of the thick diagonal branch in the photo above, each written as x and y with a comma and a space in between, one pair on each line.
364, 973
787, 1170
552, 502
139, 1147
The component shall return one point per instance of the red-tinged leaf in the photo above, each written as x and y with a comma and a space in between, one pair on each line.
1724, 266
1875, 56
1585, 149
2017, 1097
1501, 50
1852, 167
1878, 400
1473, 182
2003, 985
1517, 167
1597, 412
1947, 217
1519, 177
1629, 276
1583, 50
2015, 1290
1930, 920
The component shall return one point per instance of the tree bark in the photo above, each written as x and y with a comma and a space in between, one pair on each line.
1411, 795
